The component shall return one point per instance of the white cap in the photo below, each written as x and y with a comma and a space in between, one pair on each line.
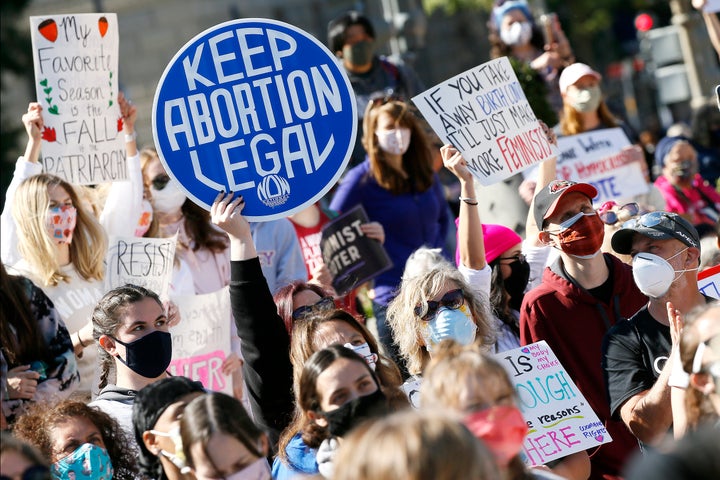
575, 72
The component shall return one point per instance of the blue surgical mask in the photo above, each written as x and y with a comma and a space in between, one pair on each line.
88, 462
450, 324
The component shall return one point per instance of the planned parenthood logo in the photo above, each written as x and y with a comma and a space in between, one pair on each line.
259, 108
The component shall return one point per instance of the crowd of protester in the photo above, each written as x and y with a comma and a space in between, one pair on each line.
326, 387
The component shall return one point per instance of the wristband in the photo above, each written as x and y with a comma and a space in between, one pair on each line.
80, 339
468, 200
130, 137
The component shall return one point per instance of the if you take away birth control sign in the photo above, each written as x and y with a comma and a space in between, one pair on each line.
259, 108
76, 65
484, 113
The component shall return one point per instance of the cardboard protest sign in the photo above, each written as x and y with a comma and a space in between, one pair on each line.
147, 262
559, 418
259, 108
598, 158
201, 341
709, 282
76, 66
483, 112
351, 257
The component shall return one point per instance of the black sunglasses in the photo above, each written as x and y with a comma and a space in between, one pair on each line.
322, 305
160, 182
520, 257
453, 299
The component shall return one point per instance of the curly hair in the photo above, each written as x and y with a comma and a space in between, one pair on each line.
106, 319
30, 211
416, 291
416, 161
37, 425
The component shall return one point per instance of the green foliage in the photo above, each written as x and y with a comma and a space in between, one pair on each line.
451, 7
535, 91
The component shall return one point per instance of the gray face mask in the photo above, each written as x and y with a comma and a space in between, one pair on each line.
359, 54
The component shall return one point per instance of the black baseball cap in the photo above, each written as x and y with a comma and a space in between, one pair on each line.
547, 199
656, 225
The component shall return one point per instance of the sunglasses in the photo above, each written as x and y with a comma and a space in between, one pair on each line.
453, 300
323, 305
610, 217
520, 257
160, 182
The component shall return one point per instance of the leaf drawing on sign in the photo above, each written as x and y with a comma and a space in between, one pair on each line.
53, 110
48, 134
48, 29
119, 124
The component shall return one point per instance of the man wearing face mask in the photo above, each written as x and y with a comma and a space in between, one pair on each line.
638, 355
685, 191
582, 295
351, 37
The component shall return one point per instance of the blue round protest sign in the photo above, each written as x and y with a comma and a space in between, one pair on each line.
259, 108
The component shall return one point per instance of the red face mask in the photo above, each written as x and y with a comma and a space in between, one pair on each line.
581, 236
502, 429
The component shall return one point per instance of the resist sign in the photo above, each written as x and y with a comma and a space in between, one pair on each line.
256, 107
559, 419
76, 65
483, 113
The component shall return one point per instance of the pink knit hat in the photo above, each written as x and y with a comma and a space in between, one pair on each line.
498, 239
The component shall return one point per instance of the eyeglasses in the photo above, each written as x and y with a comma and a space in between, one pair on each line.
520, 257
453, 300
610, 217
323, 305
160, 182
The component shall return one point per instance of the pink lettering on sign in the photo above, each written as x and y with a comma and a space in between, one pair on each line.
538, 447
205, 368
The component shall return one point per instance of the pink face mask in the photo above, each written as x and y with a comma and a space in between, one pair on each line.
61, 223
502, 429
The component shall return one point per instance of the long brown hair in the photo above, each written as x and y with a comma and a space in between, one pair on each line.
417, 161
20, 337
572, 123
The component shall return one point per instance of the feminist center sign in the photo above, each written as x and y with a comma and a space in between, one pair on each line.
259, 108
483, 113
76, 64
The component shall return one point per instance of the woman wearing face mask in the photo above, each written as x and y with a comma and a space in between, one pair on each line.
685, 191
63, 249
80, 441
265, 340
220, 440
515, 34
130, 327
435, 306
336, 392
397, 188
156, 417
470, 383
584, 109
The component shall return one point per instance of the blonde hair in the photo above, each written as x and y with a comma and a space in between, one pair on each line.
414, 445
416, 291
452, 366
146, 155
572, 124
30, 212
